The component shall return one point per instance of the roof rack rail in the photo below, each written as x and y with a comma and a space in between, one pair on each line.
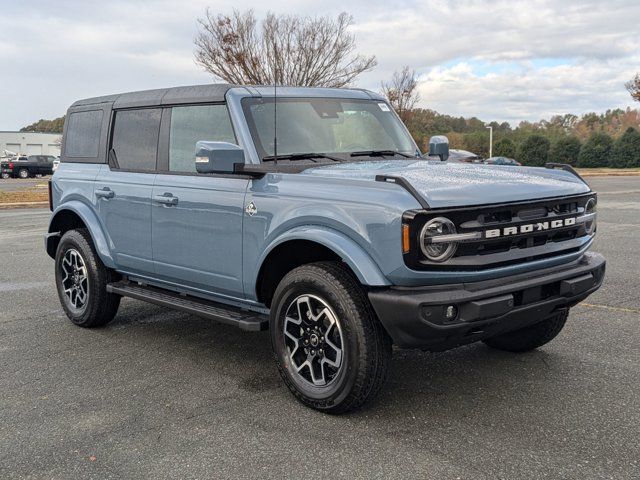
564, 166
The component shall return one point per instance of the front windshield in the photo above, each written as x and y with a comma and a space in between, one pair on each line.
332, 126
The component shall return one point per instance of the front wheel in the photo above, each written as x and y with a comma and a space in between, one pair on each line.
23, 173
530, 337
4, 175
81, 281
330, 348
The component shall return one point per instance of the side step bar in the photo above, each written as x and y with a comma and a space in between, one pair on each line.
243, 319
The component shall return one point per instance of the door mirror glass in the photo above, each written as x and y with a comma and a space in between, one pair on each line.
218, 157
439, 147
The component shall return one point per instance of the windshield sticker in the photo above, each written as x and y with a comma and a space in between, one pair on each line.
384, 107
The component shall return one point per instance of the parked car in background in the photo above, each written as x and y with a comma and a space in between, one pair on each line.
31, 166
5, 169
502, 161
463, 156
7, 165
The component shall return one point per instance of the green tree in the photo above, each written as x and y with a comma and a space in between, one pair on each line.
504, 148
566, 150
45, 126
478, 143
534, 151
626, 150
596, 152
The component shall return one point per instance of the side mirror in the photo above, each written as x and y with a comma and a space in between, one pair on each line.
439, 147
218, 157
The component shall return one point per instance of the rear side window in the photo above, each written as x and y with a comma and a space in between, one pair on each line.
192, 124
135, 138
83, 134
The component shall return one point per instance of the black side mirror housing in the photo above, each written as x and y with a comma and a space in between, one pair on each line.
218, 157
439, 147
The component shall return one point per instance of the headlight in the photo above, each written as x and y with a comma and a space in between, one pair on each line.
590, 209
435, 249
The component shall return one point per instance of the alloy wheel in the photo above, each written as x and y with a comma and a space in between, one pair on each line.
314, 340
75, 280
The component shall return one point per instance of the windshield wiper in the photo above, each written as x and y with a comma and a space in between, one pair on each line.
301, 156
380, 153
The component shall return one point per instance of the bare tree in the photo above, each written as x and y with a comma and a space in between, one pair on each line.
283, 49
633, 86
402, 92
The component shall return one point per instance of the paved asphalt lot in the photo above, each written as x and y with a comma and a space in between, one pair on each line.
160, 394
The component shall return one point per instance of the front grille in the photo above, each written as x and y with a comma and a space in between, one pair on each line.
506, 248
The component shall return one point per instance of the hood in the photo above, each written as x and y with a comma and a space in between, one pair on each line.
460, 184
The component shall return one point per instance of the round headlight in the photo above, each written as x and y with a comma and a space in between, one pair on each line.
433, 248
590, 209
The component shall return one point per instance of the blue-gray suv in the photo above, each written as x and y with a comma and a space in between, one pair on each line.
312, 213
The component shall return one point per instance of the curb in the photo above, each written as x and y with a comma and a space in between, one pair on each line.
596, 174
7, 206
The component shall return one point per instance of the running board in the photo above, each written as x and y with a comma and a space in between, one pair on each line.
243, 319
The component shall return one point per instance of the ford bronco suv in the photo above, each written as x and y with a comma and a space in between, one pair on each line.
312, 213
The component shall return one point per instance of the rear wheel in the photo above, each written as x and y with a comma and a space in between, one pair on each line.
330, 348
4, 175
530, 337
81, 281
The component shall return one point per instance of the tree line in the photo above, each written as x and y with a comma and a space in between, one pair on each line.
610, 139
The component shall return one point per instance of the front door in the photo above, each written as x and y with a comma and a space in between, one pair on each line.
123, 188
197, 219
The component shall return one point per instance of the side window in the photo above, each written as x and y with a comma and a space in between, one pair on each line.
83, 134
135, 138
192, 124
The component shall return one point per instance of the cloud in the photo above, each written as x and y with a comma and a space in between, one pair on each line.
523, 92
501, 60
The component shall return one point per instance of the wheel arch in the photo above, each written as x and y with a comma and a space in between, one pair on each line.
73, 215
310, 244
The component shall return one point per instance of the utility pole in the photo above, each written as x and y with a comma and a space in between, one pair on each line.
490, 141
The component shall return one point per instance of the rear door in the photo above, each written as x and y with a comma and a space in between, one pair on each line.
124, 186
197, 219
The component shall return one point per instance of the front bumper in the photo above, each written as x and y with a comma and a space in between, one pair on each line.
417, 317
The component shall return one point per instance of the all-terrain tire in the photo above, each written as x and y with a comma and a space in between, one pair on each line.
531, 337
366, 345
100, 306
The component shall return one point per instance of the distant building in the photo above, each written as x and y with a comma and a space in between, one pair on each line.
30, 143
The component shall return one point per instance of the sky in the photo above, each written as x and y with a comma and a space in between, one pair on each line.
496, 60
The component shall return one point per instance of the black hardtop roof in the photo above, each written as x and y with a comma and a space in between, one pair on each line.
206, 94
162, 96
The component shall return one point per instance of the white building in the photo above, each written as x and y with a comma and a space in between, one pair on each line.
30, 143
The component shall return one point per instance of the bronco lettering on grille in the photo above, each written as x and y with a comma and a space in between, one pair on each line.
529, 228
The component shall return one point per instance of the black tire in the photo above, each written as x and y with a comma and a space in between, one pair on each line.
365, 345
531, 337
23, 173
4, 175
99, 306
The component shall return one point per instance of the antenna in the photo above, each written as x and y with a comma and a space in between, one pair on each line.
275, 107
